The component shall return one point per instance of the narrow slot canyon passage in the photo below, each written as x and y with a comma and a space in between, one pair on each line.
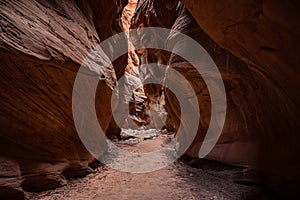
149, 99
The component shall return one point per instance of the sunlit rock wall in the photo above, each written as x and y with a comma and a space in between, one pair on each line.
149, 14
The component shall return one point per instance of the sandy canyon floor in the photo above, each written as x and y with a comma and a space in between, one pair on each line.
184, 179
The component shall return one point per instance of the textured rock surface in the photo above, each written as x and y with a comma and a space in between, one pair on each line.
149, 14
10, 179
42, 45
133, 60
259, 69
107, 17
265, 34
254, 44
228, 64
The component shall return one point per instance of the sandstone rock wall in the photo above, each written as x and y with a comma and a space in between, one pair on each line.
133, 60
107, 16
180, 20
42, 45
264, 34
254, 45
149, 13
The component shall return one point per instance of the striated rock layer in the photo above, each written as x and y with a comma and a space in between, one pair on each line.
228, 64
254, 45
42, 45
149, 14
264, 34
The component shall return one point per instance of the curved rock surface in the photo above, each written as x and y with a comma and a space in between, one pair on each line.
149, 14
254, 45
42, 45
133, 60
264, 34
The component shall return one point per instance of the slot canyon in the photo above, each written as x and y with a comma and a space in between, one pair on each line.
253, 44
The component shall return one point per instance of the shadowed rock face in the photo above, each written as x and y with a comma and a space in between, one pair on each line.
42, 45
107, 16
229, 65
254, 45
264, 34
